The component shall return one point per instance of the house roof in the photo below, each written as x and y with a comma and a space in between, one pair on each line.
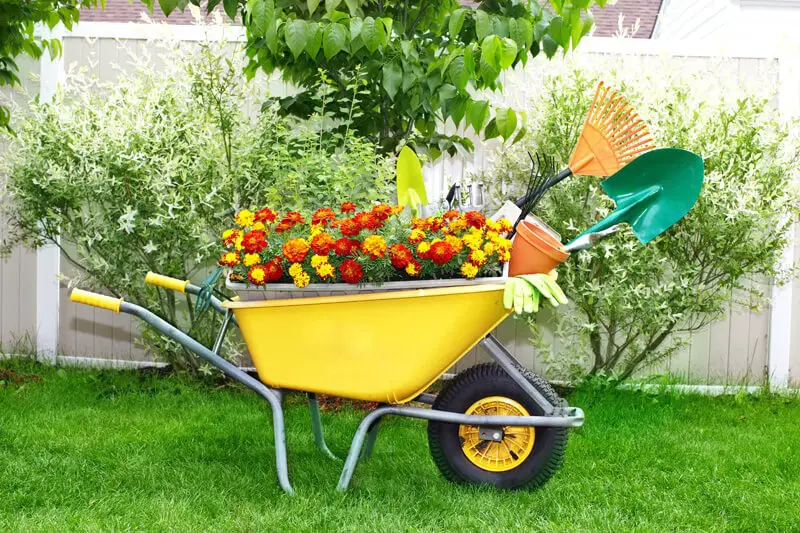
606, 20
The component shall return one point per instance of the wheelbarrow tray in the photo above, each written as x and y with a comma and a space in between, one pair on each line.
383, 347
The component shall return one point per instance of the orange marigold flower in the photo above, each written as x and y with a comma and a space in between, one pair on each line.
367, 221
254, 241
229, 259
347, 207
382, 211
475, 219
400, 256
458, 224
351, 271
322, 216
349, 227
441, 252
417, 236
375, 246
419, 223
455, 242
296, 250
266, 216
322, 243
413, 268
397, 209
274, 270
435, 223
292, 218
283, 226
258, 275
450, 215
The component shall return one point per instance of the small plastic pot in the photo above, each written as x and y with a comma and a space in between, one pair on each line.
534, 251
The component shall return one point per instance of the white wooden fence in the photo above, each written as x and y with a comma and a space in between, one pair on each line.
743, 348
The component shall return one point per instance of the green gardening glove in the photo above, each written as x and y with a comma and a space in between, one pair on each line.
523, 293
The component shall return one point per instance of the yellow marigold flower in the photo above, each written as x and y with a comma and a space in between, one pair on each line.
423, 247
503, 244
237, 243
245, 217
302, 280
491, 225
504, 255
412, 269
491, 234
417, 235
316, 229
473, 241
227, 234
458, 224
469, 271
489, 248
455, 242
258, 226
258, 275
325, 270
251, 259
477, 257
295, 269
505, 225
230, 258
374, 245
318, 260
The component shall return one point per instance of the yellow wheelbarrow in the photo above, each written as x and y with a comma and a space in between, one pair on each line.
495, 423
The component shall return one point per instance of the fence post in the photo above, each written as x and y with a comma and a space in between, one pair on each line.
780, 326
48, 257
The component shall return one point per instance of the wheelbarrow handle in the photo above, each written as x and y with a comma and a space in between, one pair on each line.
97, 300
166, 282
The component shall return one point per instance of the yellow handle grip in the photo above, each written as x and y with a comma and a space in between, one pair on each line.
165, 281
98, 300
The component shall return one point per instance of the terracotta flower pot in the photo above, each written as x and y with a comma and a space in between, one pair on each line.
534, 251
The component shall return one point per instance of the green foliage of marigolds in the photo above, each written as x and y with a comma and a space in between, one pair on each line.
421, 62
18, 19
140, 175
629, 300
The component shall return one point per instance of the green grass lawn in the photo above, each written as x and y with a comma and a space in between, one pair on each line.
83, 450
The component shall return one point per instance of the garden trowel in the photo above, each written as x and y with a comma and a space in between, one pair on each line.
653, 192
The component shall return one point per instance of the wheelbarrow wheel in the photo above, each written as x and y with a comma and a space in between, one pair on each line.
521, 457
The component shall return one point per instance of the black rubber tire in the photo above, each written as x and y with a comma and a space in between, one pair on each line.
481, 381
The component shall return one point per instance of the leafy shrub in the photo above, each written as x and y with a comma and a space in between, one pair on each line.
629, 300
139, 175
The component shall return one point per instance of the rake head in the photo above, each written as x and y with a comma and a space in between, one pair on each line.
613, 135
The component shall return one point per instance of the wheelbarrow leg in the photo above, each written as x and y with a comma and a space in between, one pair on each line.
273, 396
364, 428
372, 436
316, 426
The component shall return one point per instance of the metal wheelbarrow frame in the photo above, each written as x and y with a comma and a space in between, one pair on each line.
555, 416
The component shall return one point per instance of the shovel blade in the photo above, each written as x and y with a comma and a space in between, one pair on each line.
654, 191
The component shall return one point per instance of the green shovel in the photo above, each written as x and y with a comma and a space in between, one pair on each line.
653, 192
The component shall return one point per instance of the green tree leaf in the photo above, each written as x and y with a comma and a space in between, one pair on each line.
491, 130
456, 22
549, 46
314, 42
331, 5
231, 8
483, 24
355, 27
373, 33
312, 6
260, 14
477, 110
506, 53
333, 39
490, 50
168, 6
392, 79
296, 35
506, 121
458, 74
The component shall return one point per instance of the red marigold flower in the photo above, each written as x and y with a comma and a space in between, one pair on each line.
231, 236
274, 270
451, 214
367, 221
349, 227
292, 218
351, 271
254, 241
475, 219
345, 246
322, 243
229, 259
258, 275
413, 268
400, 256
441, 252
322, 216
348, 207
382, 211
266, 215
295, 250
283, 226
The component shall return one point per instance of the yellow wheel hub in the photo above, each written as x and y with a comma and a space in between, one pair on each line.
503, 455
